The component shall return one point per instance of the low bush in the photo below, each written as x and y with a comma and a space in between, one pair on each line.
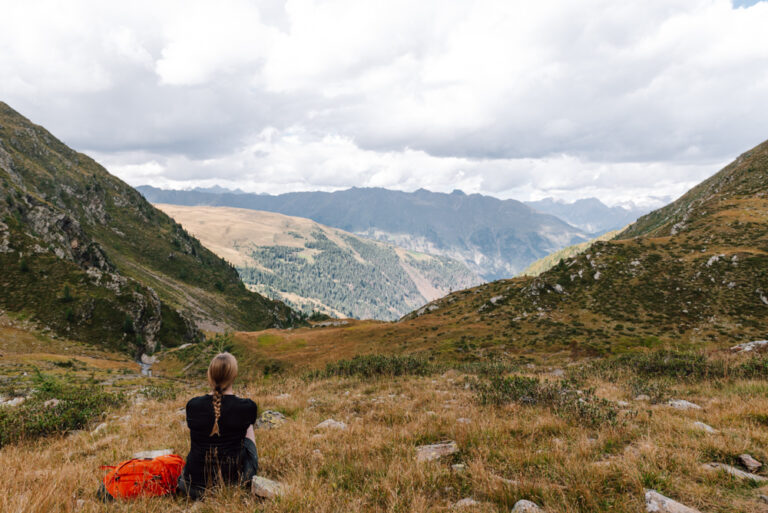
76, 407
163, 391
562, 397
658, 391
377, 365
487, 368
684, 365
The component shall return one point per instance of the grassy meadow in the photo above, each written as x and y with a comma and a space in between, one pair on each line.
568, 434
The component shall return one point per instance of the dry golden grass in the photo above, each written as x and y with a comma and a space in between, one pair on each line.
511, 453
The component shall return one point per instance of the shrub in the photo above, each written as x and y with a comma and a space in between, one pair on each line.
563, 397
377, 365
160, 391
667, 363
274, 367
657, 390
487, 368
77, 406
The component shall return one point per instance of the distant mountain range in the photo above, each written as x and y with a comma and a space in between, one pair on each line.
86, 256
590, 214
312, 267
494, 238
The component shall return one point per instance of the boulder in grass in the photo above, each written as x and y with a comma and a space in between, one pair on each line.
150, 455
436, 451
657, 503
98, 429
735, 472
750, 463
525, 506
682, 404
750, 346
270, 420
467, 502
705, 427
266, 488
331, 424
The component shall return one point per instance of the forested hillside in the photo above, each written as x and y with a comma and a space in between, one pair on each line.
316, 268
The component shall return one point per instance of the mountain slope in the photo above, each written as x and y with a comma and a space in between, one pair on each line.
589, 214
84, 254
314, 267
702, 283
548, 262
492, 237
695, 271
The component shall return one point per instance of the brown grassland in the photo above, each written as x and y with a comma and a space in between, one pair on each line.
563, 462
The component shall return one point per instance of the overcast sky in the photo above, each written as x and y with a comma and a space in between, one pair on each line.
622, 100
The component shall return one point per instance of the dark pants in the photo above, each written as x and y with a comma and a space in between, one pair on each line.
249, 458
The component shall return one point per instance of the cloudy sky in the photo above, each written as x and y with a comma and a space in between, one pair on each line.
622, 100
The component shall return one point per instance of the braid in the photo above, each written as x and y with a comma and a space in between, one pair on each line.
216, 411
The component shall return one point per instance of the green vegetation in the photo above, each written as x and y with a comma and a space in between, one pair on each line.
548, 262
563, 397
377, 365
56, 407
66, 222
361, 279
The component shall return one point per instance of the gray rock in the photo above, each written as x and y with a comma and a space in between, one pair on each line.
734, 471
525, 506
763, 498
657, 503
749, 346
436, 451
467, 502
270, 420
643, 397
98, 429
16, 401
150, 455
51, 403
705, 427
331, 424
750, 463
682, 404
459, 467
266, 488
464, 420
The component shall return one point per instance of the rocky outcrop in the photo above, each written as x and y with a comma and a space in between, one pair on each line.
657, 503
436, 451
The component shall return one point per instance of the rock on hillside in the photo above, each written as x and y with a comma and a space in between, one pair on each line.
696, 270
85, 254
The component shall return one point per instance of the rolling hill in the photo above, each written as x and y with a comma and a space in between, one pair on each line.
494, 238
316, 268
85, 255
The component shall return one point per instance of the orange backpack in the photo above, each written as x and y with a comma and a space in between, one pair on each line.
145, 477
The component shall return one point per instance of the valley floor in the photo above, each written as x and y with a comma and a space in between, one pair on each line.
600, 458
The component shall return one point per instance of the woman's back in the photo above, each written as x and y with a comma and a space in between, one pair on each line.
210, 454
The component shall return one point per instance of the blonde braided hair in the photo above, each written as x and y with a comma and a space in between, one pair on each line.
221, 373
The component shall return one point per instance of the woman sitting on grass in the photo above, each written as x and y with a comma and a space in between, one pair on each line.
222, 442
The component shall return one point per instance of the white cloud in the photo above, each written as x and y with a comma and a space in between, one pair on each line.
623, 100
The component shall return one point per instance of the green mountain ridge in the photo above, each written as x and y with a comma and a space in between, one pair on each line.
694, 272
87, 256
